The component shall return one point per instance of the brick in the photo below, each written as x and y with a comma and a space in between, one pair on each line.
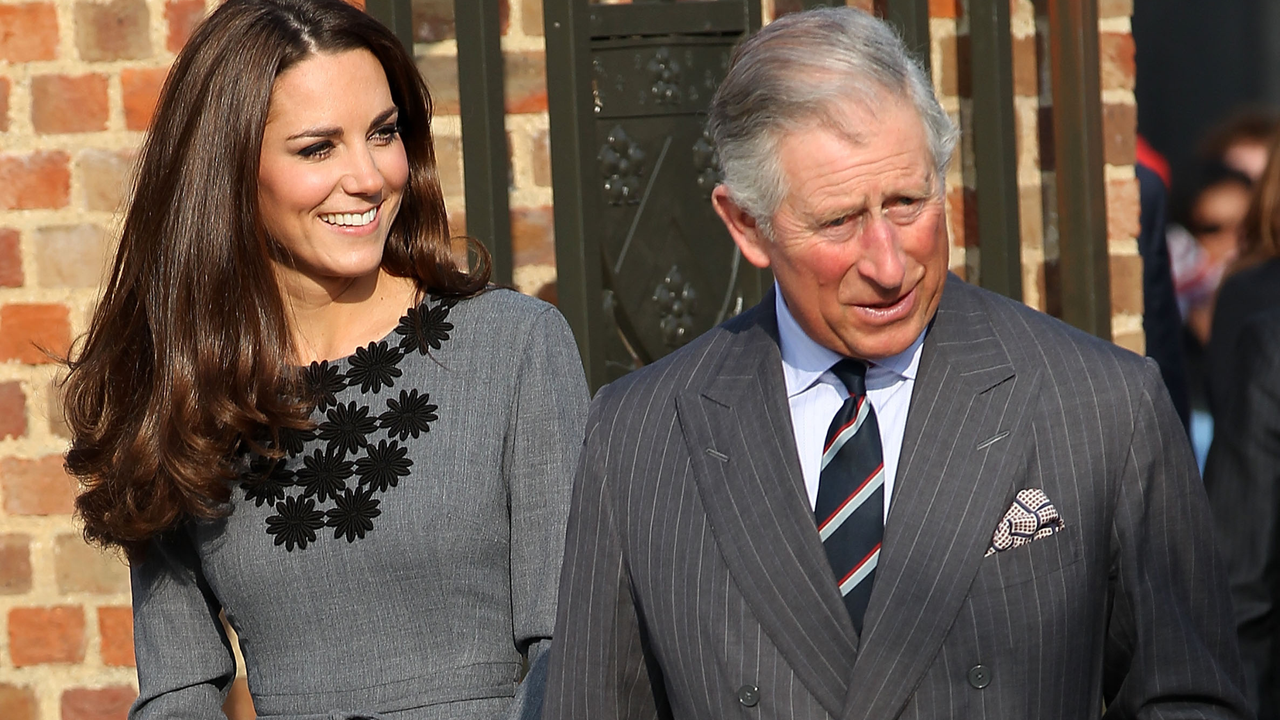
449, 165
526, 82
39, 180
1126, 284
115, 626
181, 16
116, 30
541, 158
1123, 210
18, 703
106, 176
786, 7
69, 103
954, 74
10, 258
1026, 78
81, 568
1116, 58
1044, 124
533, 236
108, 703
1114, 8
29, 333
944, 8
71, 256
433, 20
28, 32
38, 636
531, 17
15, 566
1119, 125
239, 704
1031, 216
441, 74
962, 208
36, 487
1135, 342
13, 410
140, 89
866, 6
457, 223
57, 420
4, 104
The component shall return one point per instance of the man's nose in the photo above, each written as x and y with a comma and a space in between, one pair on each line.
883, 261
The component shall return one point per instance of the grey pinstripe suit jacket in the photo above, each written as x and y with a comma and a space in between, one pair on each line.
693, 567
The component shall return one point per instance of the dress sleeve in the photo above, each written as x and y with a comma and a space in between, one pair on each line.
185, 662
1171, 647
541, 451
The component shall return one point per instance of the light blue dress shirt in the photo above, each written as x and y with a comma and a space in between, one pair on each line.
815, 394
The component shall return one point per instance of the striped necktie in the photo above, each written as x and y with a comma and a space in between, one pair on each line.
850, 506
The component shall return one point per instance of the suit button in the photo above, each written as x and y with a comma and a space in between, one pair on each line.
749, 695
979, 676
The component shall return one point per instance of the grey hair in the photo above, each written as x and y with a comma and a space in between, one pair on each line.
797, 72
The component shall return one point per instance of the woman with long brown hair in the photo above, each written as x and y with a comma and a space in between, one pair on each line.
293, 407
1252, 283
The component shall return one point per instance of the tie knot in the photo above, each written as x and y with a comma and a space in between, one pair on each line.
853, 373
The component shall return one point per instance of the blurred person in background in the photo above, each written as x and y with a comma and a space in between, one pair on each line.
1251, 286
1242, 480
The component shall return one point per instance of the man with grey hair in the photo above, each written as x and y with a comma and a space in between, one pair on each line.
882, 492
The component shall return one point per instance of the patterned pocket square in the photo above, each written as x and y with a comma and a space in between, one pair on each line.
1030, 517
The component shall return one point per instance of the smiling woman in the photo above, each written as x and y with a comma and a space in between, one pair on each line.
291, 396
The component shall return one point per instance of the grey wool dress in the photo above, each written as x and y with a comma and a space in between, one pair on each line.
403, 554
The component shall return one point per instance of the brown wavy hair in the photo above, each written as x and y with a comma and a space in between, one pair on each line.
1260, 229
188, 354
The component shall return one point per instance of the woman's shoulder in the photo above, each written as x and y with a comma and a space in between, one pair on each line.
506, 313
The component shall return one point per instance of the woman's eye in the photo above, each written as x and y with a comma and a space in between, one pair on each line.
318, 150
386, 133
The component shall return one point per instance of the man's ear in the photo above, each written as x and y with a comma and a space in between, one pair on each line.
742, 227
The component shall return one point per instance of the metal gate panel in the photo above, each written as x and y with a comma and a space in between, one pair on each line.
638, 244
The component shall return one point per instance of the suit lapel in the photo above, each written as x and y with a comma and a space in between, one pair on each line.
739, 435
965, 442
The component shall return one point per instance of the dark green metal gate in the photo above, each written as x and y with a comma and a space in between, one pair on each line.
643, 263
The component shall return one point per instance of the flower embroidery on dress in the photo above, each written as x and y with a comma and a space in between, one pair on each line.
347, 427
323, 383
410, 415
353, 514
295, 522
384, 465
309, 489
423, 327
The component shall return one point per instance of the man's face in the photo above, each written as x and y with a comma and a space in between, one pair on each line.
859, 244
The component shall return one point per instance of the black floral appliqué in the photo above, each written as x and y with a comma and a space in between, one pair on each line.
384, 465
347, 427
324, 474
353, 514
374, 366
295, 522
310, 487
265, 480
324, 382
292, 440
410, 415
423, 327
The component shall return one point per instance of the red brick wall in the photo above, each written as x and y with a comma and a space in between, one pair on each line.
78, 82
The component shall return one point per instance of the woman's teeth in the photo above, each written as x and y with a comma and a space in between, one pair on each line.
350, 219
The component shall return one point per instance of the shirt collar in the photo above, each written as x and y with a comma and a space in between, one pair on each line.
805, 361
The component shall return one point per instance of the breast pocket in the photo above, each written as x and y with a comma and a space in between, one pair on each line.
1022, 564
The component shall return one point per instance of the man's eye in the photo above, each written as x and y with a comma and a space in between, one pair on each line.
317, 150
837, 222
